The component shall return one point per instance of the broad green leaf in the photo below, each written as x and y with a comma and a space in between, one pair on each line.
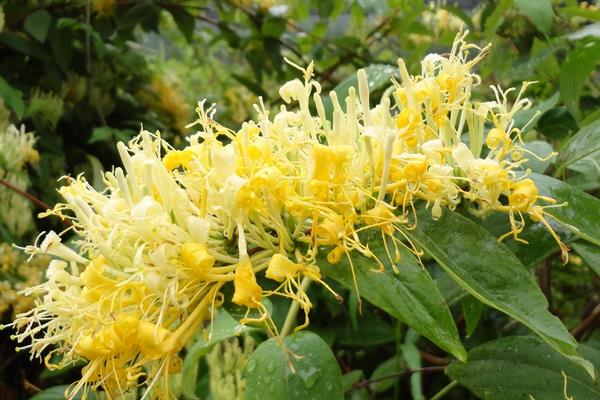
223, 327
23, 44
524, 367
389, 367
557, 123
527, 120
55, 393
492, 274
101, 134
12, 97
97, 173
539, 13
61, 42
472, 311
581, 215
584, 181
585, 172
140, 13
301, 367
540, 245
583, 144
543, 150
378, 77
37, 24
370, 331
494, 20
590, 254
574, 72
411, 295
185, 22
273, 27
350, 378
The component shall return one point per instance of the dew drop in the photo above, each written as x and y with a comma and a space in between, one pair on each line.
251, 366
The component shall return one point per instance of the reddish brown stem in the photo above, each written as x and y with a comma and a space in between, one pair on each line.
433, 359
367, 382
588, 323
28, 196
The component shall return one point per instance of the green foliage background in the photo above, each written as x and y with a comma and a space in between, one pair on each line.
85, 74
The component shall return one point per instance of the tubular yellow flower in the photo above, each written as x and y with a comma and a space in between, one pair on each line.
281, 267
247, 292
523, 195
156, 245
196, 257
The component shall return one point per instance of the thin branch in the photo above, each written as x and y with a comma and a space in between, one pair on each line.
371, 35
433, 359
544, 276
398, 374
588, 323
28, 196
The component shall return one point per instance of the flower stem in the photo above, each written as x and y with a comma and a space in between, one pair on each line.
290, 319
444, 390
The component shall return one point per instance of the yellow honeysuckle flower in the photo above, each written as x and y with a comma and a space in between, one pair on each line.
247, 292
175, 226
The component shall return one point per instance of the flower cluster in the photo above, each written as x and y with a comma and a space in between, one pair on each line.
16, 151
173, 227
226, 364
17, 274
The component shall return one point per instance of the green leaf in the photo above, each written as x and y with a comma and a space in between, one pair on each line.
494, 20
101, 134
12, 97
142, 13
97, 173
411, 295
492, 274
527, 120
185, 22
539, 13
391, 366
23, 44
37, 24
378, 77
472, 311
273, 27
557, 123
584, 143
54, 393
590, 254
524, 367
301, 367
541, 149
370, 331
582, 213
350, 378
223, 327
574, 72
540, 245
61, 41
